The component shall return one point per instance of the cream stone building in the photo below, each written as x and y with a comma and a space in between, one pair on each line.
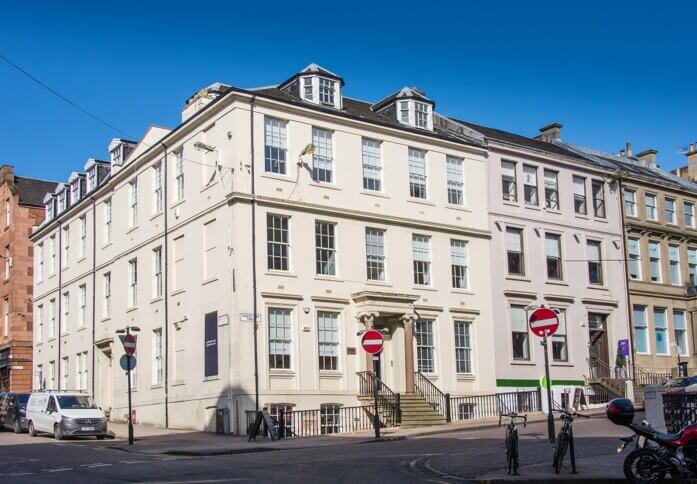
557, 242
322, 214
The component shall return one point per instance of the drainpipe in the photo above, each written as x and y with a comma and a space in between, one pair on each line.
60, 296
626, 277
254, 255
94, 283
165, 261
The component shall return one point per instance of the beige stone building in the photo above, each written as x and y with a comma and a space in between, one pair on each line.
661, 250
322, 214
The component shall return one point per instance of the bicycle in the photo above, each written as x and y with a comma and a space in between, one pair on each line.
511, 442
565, 440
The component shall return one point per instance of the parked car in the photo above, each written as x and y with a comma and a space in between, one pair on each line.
65, 414
13, 412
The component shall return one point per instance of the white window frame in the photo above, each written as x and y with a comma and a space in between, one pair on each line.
157, 193
82, 314
66, 246
275, 146
551, 181
683, 331
284, 339
455, 180
323, 156
157, 357
510, 195
664, 328
418, 180
106, 295
66, 312
421, 255
133, 203
657, 260
634, 258
157, 272
278, 248
325, 248
108, 214
692, 265
580, 196
688, 215
674, 266
83, 237
132, 283
651, 210
179, 175
463, 347
371, 151
375, 254
630, 206
329, 341
459, 264
425, 349
671, 216
531, 195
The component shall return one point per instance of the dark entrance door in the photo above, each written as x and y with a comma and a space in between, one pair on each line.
598, 350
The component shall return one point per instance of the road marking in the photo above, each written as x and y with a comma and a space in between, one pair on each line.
59, 469
132, 461
207, 481
98, 464
17, 474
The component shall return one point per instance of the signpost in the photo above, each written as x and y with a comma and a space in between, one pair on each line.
373, 342
544, 322
128, 363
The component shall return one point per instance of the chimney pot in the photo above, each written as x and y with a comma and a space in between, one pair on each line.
551, 132
629, 149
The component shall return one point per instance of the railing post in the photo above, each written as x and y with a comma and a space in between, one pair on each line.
398, 410
447, 408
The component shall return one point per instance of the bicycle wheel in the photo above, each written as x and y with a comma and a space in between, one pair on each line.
507, 444
514, 451
560, 450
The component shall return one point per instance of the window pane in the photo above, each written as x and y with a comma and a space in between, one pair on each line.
372, 165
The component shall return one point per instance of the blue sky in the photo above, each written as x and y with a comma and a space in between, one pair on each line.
609, 71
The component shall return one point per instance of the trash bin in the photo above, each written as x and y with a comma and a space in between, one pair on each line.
222, 421
682, 369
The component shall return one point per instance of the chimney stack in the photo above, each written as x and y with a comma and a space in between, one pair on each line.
692, 161
648, 158
629, 149
551, 132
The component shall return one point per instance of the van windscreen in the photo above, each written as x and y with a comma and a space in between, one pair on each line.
75, 401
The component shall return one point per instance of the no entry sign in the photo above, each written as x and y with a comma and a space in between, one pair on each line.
544, 320
372, 342
129, 343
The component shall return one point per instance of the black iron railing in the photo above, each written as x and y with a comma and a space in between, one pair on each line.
601, 394
642, 376
388, 401
437, 399
679, 410
324, 421
483, 406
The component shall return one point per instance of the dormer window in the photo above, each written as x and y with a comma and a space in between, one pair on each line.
50, 209
75, 191
92, 178
116, 156
408, 106
62, 201
421, 115
307, 89
404, 112
316, 85
326, 91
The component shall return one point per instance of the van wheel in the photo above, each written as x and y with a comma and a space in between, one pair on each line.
100, 437
32, 430
57, 432
18, 427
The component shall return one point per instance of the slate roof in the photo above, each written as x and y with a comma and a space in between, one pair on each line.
634, 168
520, 140
362, 110
32, 191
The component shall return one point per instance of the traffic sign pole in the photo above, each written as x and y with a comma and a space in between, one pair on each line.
544, 322
376, 416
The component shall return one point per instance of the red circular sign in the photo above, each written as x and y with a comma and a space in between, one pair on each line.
129, 344
372, 341
544, 320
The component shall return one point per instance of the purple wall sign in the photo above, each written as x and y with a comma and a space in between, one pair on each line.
624, 347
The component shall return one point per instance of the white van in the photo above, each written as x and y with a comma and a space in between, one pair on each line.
65, 415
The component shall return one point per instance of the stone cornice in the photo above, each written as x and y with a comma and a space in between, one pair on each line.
236, 197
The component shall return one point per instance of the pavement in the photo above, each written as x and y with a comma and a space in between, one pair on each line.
468, 451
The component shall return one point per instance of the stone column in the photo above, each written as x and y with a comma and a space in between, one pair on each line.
408, 320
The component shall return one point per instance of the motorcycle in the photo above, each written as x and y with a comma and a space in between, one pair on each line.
656, 454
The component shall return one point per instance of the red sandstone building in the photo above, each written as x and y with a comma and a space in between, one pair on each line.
21, 207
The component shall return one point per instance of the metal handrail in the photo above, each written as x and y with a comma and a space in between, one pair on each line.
432, 394
387, 399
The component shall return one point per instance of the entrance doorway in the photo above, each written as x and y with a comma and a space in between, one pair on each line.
598, 349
